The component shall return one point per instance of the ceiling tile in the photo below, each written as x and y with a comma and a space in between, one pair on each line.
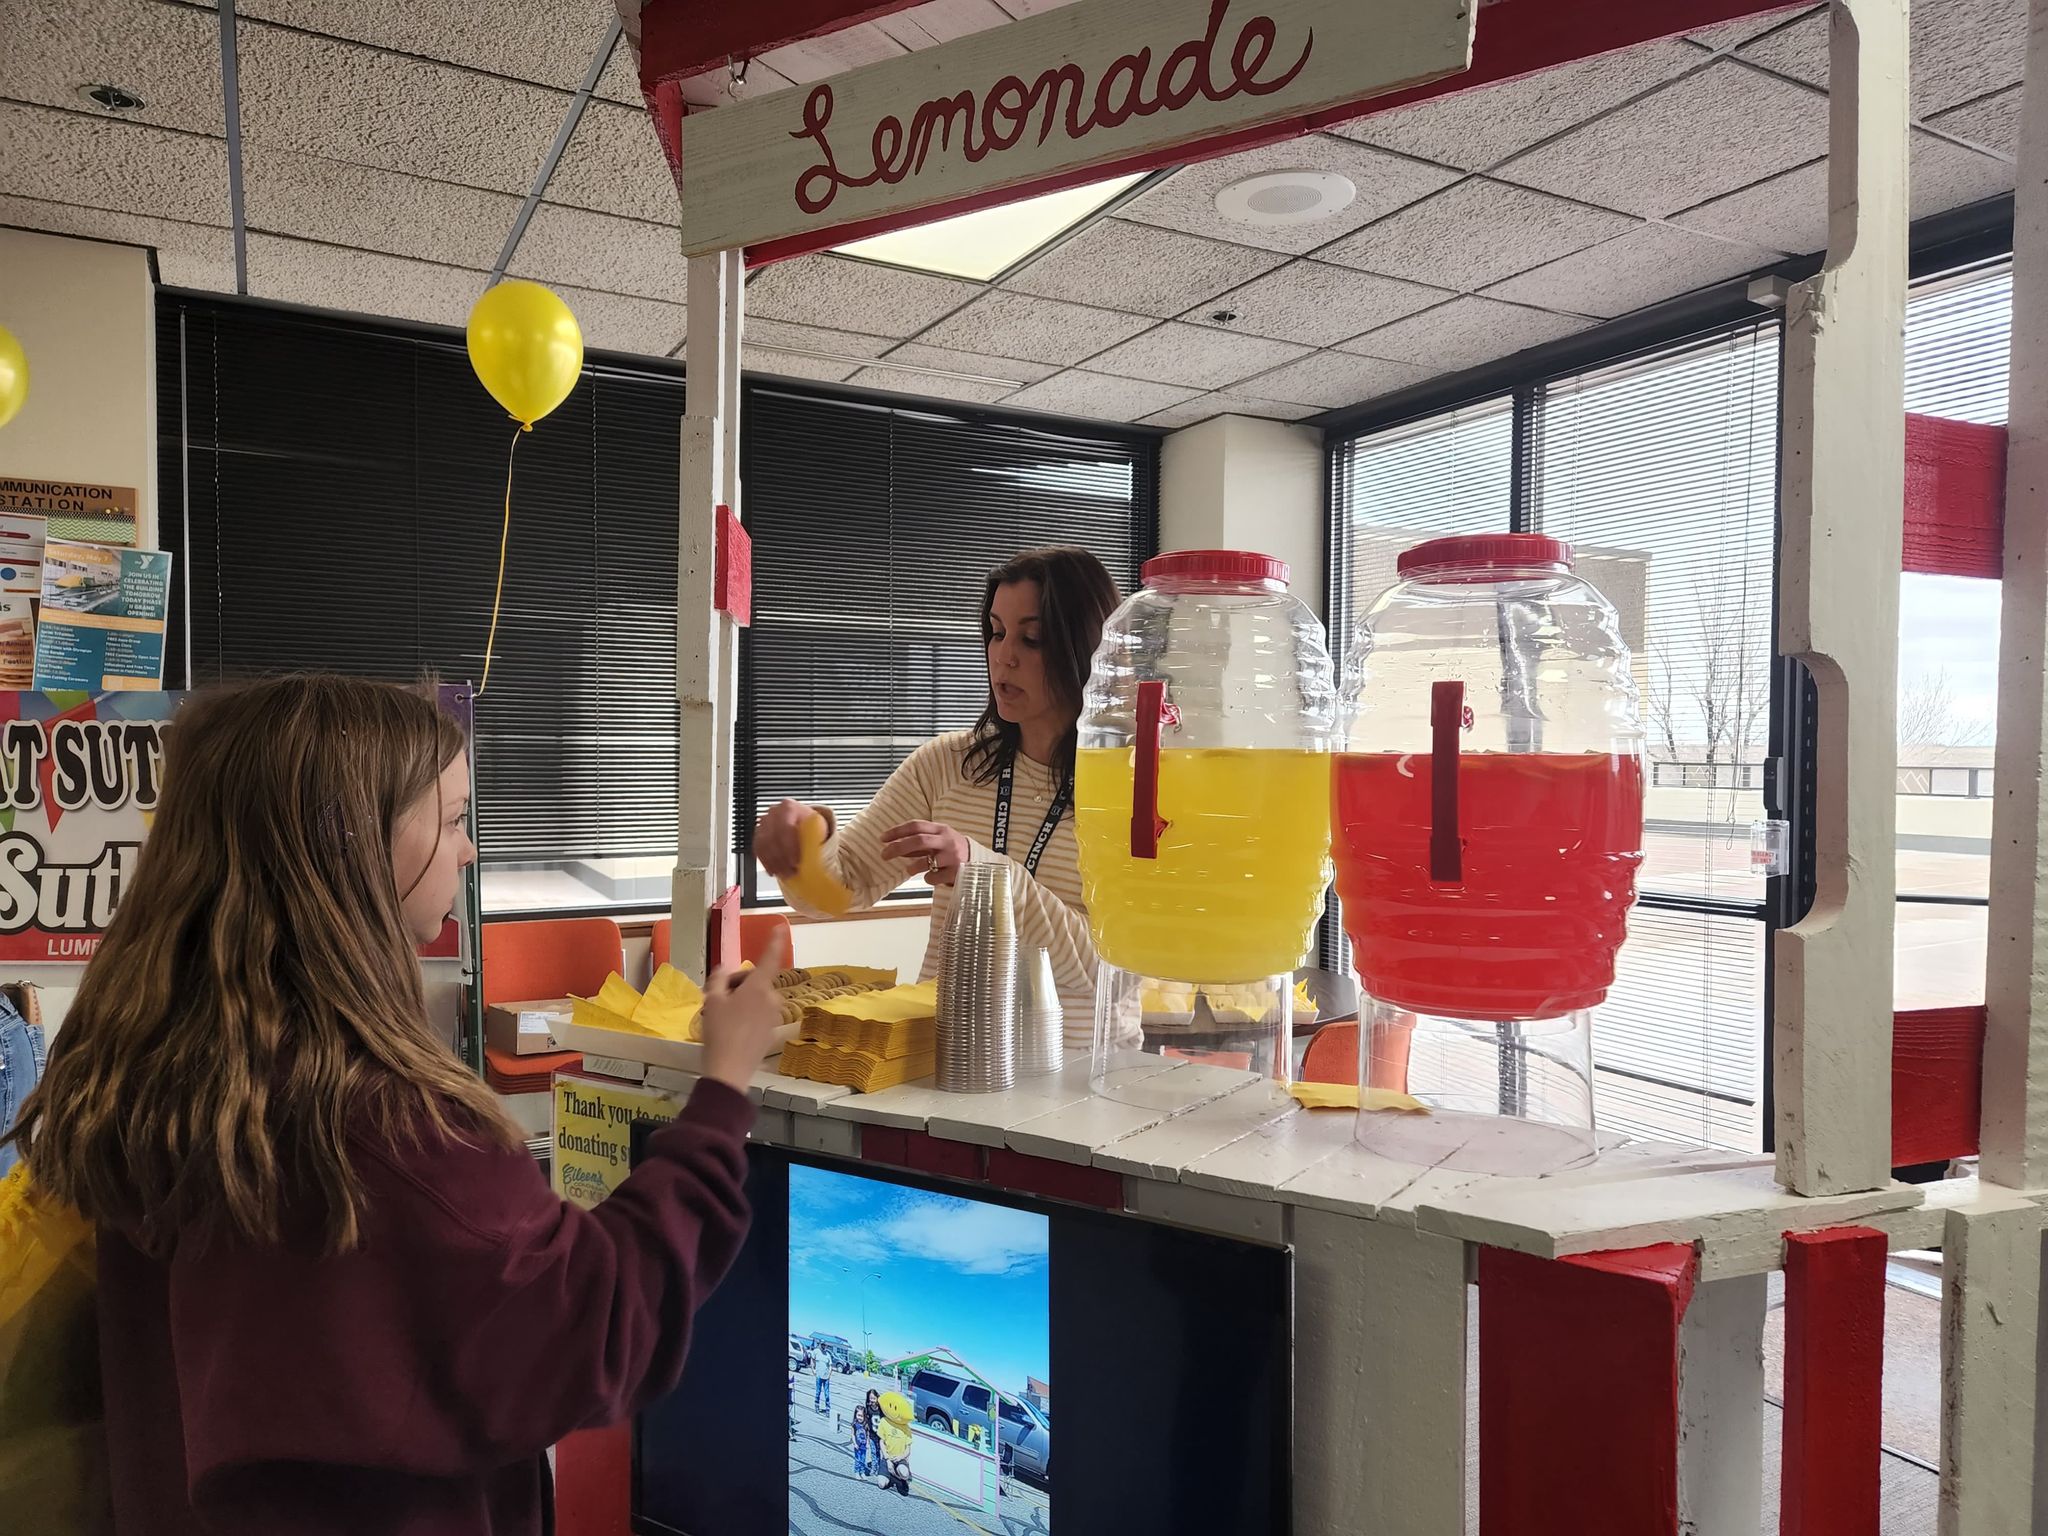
1199, 356
549, 41
1790, 212
1464, 333
1650, 263
348, 102
597, 250
617, 322
614, 164
169, 55
931, 386
361, 282
1993, 121
1480, 128
1200, 409
287, 193
1707, 134
1139, 268
1959, 48
1044, 330
819, 290
1309, 301
620, 81
1332, 379
1476, 233
1080, 393
1187, 199
783, 365
100, 162
187, 255
813, 338
918, 354
1730, 33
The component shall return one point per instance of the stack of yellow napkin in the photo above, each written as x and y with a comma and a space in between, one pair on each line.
867, 1040
672, 1008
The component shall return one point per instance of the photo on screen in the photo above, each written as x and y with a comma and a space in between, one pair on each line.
919, 1361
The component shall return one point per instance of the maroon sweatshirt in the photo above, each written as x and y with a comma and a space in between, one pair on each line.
412, 1386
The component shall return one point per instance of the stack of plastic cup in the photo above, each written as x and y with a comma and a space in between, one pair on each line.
977, 1026
1041, 1023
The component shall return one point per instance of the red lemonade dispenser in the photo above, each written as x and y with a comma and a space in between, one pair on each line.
1487, 817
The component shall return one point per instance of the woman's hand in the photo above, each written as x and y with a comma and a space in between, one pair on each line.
936, 851
741, 1015
776, 843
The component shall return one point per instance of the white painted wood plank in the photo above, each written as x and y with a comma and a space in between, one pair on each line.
907, 1107
1379, 1383
1258, 1164
797, 1094
1721, 1408
2015, 1115
984, 1119
1728, 1209
965, 119
774, 1127
1990, 1363
1074, 1134
1259, 1221
1842, 497
837, 1138
1163, 1151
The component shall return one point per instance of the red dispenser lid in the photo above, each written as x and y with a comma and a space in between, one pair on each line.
1220, 565
1481, 556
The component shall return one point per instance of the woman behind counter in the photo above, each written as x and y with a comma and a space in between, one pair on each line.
1001, 790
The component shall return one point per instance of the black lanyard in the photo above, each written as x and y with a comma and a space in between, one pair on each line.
1001, 841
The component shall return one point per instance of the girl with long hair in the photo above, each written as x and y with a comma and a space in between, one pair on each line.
1002, 789
335, 1293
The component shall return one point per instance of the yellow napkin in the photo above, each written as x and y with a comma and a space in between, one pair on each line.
813, 885
1347, 1096
673, 1006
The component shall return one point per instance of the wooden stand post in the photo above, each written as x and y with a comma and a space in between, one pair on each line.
707, 639
1842, 494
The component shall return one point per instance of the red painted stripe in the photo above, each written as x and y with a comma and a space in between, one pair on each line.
1055, 1181
1955, 498
680, 38
1834, 1381
1578, 1391
884, 1144
946, 1159
1937, 1084
722, 931
1513, 38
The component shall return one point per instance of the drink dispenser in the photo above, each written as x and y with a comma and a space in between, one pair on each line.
1202, 808
1488, 818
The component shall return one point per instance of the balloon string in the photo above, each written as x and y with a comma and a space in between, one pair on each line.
504, 542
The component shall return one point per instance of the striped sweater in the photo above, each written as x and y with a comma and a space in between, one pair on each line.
932, 785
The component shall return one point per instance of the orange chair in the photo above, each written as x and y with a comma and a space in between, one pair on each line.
756, 928
552, 957
1332, 1055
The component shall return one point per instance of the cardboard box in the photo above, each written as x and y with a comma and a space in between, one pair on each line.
527, 1029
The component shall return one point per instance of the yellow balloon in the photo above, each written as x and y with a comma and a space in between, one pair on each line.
13, 376
526, 347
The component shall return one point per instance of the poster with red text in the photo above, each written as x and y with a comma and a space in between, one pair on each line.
80, 774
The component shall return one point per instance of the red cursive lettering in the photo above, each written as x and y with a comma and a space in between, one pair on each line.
996, 121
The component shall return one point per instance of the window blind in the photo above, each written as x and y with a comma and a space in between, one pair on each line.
874, 528
1959, 343
338, 490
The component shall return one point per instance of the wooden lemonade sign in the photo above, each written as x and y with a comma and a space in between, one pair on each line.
1099, 83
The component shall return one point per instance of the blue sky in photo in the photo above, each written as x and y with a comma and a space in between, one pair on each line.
956, 1273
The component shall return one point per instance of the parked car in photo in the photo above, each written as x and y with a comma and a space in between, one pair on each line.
952, 1405
1026, 1440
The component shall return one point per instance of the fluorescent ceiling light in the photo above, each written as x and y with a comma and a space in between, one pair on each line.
980, 244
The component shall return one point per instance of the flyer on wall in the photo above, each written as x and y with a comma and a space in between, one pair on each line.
104, 611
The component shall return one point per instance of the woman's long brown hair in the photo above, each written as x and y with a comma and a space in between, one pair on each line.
257, 998
1076, 595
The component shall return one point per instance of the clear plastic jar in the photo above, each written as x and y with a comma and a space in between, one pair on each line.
1488, 814
1202, 809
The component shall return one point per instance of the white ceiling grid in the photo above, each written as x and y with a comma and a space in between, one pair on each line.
388, 150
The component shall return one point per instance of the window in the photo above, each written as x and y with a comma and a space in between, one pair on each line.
1958, 337
1662, 470
874, 529
976, 1398
1014, 1413
335, 491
